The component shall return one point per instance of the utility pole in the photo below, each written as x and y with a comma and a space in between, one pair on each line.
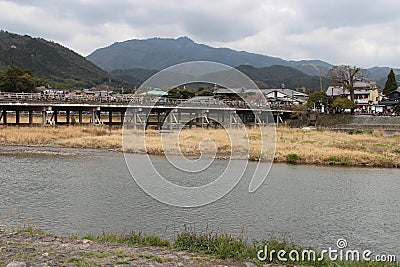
320, 79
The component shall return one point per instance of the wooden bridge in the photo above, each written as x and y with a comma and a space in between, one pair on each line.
32, 109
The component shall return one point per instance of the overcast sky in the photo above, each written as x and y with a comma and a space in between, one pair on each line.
357, 32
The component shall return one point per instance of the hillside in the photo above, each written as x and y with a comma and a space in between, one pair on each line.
274, 76
159, 53
51, 62
134, 77
267, 77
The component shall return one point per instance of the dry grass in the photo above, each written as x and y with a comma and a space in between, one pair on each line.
63, 136
311, 147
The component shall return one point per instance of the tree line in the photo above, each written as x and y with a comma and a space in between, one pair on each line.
17, 80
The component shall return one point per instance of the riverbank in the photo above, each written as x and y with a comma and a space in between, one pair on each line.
323, 147
33, 247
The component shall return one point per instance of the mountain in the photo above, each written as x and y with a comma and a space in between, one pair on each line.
159, 53
51, 62
379, 74
266, 77
276, 75
134, 77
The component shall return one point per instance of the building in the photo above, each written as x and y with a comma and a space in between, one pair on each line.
391, 101
366, 95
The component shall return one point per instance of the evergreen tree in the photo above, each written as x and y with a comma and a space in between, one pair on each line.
16, 79
390, 84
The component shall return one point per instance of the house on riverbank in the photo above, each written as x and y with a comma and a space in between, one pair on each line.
366, 95
391, 101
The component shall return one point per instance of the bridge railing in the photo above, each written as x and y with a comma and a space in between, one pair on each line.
125, 99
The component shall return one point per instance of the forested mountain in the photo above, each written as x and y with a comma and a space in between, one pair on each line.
52, 63
159, 53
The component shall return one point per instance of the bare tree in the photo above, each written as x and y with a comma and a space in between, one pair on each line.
345, 76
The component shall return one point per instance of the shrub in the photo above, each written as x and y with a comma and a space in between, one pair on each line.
292, 158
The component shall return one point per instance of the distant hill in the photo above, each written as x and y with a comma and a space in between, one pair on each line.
274, 76
49, 61
379, 74
134, 77
267, 77
159, 53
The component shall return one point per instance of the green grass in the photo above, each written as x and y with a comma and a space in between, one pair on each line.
99, 255
152, 257
132, 239
292, 158
225, 246
32, 230
361, 132
122, 262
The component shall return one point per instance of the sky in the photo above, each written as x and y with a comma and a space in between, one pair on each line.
359, 32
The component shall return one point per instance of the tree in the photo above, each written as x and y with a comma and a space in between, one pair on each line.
180, 93
316, 99
390, 84
345, 76
343, 103
16, 79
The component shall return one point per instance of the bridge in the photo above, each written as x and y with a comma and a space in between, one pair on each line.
143, 112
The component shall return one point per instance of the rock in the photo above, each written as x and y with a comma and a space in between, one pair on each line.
48, 238
27, 250
170, 257
86, 241
249, 264
16, 264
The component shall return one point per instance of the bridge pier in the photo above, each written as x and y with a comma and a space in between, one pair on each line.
44, 117
80, 117
17, 117
30, 112
67, 114
110, 118
122, 117
4, 116
55, 113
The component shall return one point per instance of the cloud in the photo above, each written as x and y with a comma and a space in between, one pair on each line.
358, 32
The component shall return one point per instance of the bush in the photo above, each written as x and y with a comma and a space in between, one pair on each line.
292, 158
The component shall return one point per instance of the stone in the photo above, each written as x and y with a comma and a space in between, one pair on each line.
48, 238
249, 264
16, 264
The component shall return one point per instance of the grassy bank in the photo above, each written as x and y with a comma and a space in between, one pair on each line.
190, 248
359, 148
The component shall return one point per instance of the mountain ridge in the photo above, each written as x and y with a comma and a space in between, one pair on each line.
48, 61
159, 53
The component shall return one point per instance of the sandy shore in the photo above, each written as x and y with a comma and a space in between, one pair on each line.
325, 147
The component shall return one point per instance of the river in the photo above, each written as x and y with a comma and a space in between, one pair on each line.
90, 191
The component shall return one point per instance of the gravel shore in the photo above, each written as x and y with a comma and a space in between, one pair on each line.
21, 249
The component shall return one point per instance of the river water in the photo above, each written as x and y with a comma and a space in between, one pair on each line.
86, 191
